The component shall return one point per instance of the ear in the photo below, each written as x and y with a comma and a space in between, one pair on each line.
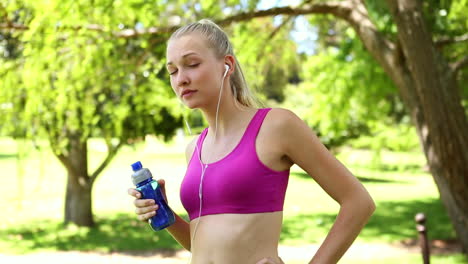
230, 62
226, 69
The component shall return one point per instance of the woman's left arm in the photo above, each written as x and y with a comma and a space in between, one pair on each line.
302, 146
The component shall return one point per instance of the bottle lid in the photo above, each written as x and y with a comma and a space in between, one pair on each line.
137, 166
139, 173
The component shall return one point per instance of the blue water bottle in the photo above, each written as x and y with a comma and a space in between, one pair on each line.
150, 189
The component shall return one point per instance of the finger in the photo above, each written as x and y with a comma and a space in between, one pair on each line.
133, 192
265, 261
144, 202
161, 182
145, 210
145, 217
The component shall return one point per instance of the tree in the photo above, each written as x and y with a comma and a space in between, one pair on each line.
71, 85
425, 72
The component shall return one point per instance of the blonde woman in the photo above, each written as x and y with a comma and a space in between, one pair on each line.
238, 167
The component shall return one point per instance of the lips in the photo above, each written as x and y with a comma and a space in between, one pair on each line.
187, 92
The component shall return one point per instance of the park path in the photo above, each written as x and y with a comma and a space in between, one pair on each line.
290, 254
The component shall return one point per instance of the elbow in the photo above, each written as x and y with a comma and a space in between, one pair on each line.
372, 206
368, 205
362, 205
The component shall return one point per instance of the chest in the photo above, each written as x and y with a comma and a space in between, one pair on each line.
262, 146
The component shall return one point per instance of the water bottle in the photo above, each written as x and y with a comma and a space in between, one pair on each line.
149, 189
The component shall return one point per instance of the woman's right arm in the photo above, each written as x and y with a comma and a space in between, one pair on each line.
146, 208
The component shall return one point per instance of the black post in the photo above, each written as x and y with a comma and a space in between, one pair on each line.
422, 230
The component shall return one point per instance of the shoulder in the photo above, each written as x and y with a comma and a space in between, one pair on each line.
281, 120
280, 124
288, 129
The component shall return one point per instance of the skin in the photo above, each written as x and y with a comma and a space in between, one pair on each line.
283, 140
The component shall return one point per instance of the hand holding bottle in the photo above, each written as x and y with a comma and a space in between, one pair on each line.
146, 208
154, 206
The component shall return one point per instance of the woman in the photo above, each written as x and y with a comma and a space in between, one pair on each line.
238, 167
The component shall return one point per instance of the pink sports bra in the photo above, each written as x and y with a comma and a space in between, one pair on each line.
239, 183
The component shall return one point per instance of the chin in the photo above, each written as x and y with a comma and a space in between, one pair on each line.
192, 105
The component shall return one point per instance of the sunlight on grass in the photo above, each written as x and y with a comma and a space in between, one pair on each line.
117, 232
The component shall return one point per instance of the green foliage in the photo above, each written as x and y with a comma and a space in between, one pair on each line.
69, 81
269, 59
74, 76
445, 19
381, 17
402, 137
347, 93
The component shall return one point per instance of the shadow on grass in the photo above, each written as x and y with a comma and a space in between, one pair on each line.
407, 167
393, 167
361, 178
120, 232
8, 156
391, 222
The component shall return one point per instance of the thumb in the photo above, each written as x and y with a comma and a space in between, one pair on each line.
162, 185
161, 182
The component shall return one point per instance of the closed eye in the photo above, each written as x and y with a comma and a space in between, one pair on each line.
194, 65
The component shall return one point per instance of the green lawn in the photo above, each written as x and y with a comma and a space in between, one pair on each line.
32, 186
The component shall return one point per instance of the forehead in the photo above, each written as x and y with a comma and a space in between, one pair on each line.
178, 48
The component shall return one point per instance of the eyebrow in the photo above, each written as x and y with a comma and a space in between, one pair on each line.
183, 56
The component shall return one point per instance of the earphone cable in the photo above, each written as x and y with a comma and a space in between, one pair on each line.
204, 167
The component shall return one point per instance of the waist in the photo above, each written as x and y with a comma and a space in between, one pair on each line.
236, 238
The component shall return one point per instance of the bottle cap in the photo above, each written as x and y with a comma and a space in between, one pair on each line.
139, 173
137, 166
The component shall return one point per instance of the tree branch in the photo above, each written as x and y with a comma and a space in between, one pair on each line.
286, 21
65, 160
13, 26
277, 29
339, 9
458, 65
352, 11
111, 152
444, 41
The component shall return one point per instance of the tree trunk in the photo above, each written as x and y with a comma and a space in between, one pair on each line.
435, 103
78, 202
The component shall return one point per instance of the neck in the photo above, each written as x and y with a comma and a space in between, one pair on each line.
231, 116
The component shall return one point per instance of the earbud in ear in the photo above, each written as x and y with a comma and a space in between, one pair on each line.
226, 67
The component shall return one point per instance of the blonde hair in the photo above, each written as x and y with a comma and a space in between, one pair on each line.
220, 44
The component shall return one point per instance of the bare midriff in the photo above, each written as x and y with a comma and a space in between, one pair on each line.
236, 238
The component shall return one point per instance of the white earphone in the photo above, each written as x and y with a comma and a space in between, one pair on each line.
227, 69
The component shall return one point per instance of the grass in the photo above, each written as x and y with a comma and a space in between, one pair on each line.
117, 232
32, 187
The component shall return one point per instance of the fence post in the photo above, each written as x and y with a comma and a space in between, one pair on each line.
423, 242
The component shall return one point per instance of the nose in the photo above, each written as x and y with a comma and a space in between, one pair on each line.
182, 78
